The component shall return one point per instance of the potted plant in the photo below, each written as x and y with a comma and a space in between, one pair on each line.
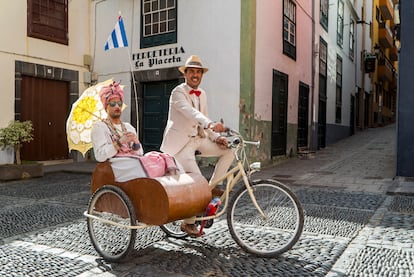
14, 135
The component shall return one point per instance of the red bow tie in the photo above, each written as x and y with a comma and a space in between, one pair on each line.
196, 92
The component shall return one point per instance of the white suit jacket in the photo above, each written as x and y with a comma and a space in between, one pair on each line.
184, 116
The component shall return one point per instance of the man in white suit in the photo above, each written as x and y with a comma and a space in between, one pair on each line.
189, 129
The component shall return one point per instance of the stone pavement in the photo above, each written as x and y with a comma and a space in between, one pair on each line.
364, 162
359, 221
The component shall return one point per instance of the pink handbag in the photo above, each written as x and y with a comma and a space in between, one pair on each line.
157, 164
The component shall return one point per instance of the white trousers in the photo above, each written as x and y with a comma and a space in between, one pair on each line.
208, 148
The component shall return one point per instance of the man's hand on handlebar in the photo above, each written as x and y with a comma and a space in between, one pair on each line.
222, 142
217, 127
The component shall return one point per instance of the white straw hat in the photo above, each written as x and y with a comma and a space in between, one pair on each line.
193, 61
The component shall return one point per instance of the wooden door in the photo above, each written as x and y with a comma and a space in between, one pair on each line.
279, 113
352, 116
46, 103
156, 97
322, 123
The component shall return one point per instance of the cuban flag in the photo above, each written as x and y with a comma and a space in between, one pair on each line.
118, 37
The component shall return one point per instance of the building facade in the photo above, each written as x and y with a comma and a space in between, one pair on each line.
260, 76
386, 47
289, 73
42, 57
342, 40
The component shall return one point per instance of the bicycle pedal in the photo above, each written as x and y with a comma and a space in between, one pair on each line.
209, 223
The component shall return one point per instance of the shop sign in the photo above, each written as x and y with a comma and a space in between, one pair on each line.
158, 58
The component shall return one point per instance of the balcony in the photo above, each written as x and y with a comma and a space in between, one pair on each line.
385, 70
387, 9
385, 35
393, 53
394, 82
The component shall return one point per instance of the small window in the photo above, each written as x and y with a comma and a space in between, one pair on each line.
159, 22
48, 20
351, 39
323, 58
289, 29
340, 24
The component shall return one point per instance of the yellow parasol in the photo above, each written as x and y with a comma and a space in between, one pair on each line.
85, 112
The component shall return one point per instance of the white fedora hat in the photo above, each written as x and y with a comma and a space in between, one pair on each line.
193, 61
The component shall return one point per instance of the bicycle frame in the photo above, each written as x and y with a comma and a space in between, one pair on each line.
233, 176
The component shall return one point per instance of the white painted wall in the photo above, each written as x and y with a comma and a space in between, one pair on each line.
349, 66
210, 29
351, 70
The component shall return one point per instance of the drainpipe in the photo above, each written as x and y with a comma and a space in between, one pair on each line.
314, 134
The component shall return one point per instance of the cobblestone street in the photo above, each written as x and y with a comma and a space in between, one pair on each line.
359, 221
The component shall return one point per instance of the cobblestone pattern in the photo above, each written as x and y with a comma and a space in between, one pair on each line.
51, 185
385, 246
349, 231
20, 259
402, 204
34, 217
33, 204
332, 220
372, 261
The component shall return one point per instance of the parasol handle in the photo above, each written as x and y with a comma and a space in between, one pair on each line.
91, 113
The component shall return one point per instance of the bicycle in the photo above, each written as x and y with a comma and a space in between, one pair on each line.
265, 218
267, 196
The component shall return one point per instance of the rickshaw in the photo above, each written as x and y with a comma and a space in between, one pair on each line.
264, 217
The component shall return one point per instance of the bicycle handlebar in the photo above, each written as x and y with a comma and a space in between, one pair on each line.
255, 143
238, 139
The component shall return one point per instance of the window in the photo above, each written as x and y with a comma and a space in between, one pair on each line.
340, 24
289, 29
324, 9
338, 110
159, 22
323, 58
48, 20
351, 39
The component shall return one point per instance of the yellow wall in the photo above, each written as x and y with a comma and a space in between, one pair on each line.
15, 45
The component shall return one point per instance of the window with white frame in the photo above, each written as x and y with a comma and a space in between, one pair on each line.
340, 24
289, 28
159, 22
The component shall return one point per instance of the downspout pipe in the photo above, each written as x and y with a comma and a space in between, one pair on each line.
314, 134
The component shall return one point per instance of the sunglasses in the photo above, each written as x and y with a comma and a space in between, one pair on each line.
113, 103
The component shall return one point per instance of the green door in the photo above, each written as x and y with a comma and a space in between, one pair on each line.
303, 114
279, 113
156, 97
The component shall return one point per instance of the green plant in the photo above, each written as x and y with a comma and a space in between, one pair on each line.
15, 134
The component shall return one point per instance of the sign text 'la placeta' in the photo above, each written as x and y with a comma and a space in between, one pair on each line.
148, 59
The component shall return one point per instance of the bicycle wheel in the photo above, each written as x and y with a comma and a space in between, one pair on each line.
172, 229
112, 242
274, 234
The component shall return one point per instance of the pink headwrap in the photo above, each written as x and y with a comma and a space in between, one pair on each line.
110, 92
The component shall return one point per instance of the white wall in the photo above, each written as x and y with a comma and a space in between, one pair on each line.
210, 29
